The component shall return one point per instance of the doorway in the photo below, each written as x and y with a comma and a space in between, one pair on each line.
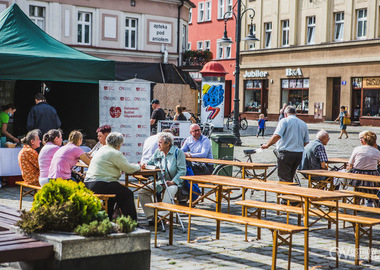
335, 98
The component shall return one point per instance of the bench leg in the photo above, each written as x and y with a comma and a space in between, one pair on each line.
219, 209
258, 228
106, 204
21, 197
370, 245
188, 229
306, 240
155, 226
171, 228
274, 251
290, 250
357, 243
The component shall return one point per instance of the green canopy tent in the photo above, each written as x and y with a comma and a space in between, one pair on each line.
28, 53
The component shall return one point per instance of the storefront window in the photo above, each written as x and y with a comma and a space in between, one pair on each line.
295, 92
371, 102
252, 96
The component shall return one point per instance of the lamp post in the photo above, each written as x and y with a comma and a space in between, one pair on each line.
225, 42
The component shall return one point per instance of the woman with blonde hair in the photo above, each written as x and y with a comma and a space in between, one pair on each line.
28, 157
179, 115
67, 156
364, 160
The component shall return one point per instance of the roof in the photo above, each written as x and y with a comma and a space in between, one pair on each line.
154, 72
28, 53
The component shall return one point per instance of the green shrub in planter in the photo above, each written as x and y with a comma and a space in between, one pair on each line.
60, 205
58, 192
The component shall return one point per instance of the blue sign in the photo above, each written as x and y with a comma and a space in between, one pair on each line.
344, 82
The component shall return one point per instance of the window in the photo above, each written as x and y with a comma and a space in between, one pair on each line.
200, 45
220, 9
285, 33
190, 15
189, 46
268, 34
131, 33
252, 95
84, 28
207, 45
37, 15
229, 6
227, 52
219, 51
201, 12
339, 24
208, 11
361, 28
310, 37
184, 37
252, 46
295, 92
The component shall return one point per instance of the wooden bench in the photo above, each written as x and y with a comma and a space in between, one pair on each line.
15, 247
359, 222
276, 227
358, 196
26, 189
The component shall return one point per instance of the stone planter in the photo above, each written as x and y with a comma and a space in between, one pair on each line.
72, 252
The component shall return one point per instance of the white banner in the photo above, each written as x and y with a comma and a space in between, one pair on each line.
180, 130
212, 110
160, 32
125, 106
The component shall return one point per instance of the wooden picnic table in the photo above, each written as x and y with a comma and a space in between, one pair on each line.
343, 161
307, 195
243, 165
331, 174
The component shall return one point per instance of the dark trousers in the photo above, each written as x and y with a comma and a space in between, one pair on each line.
124, 197
288, 163
260, 130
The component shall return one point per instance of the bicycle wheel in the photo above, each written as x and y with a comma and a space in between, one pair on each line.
243, 124
233, 171
229, 123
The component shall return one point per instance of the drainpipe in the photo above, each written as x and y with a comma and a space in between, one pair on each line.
179, 30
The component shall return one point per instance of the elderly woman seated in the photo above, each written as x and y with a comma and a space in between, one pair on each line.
28, 157
172, 160
104, 172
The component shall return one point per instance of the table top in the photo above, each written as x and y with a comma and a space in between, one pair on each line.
345, 175
232, 162
338, 160
312, 194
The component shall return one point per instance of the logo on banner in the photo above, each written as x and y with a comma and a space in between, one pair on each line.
139, 144
127, 135
125, 126
109, 98
115, 112
140, 99
140, 89
141, 135
138, 153
142, 126
108, 88
125, 98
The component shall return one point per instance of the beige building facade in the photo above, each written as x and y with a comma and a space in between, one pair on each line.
315, 55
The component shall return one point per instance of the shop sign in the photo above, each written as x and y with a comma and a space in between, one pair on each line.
255, 74
160, 32
196, 76
293, 72
371, 82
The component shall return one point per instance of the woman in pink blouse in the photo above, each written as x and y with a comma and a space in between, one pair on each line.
52, 141
67, 156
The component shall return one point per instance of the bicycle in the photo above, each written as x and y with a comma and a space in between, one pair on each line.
236, 171
168, 114
243, 123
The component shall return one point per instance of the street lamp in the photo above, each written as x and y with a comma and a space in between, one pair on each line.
225, 42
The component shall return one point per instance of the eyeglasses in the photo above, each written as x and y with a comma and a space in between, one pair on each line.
196, 130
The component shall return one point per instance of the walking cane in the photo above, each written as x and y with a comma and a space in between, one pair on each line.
171, 199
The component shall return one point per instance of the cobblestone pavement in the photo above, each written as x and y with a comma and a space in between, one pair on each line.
231, 252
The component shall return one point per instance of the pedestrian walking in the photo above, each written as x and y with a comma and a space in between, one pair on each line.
282, 111
261, 125
343, 118
291, 136
157, 114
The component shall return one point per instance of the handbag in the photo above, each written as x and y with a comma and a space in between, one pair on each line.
346, 121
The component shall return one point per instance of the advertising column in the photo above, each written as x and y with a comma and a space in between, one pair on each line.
213, 94
125, 106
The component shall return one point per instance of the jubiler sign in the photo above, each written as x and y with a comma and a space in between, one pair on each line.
255, 74
125, 106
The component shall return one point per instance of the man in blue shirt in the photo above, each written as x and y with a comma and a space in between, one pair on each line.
290, 136
198, 146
